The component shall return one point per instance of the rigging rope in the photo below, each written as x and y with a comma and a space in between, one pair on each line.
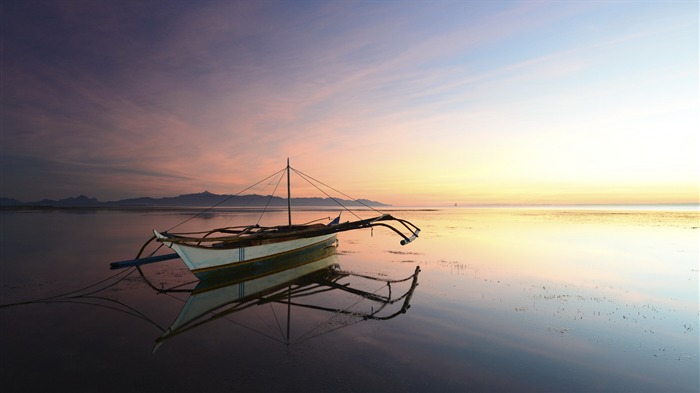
331, 321
276, 320
270, 198
225, 200
273, 338
307, 177
248, 201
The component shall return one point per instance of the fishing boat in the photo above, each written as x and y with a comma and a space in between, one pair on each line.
221, 248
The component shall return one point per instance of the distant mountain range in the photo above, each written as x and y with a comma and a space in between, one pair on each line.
203, 199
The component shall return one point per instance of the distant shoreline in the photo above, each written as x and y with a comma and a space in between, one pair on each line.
682, 207
198, 201
180, 208
587, 206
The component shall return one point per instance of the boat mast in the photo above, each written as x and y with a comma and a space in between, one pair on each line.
289, 196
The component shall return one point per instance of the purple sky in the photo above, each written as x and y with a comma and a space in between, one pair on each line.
404, 102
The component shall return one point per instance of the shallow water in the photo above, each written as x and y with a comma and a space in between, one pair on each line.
507, 300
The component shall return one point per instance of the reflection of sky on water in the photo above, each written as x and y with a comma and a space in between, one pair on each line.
509, 299
609, 296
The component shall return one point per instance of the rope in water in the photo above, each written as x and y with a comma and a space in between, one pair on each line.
68, 295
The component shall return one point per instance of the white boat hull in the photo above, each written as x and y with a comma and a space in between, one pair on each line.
201, 260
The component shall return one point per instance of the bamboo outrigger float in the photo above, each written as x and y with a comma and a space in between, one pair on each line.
208, 251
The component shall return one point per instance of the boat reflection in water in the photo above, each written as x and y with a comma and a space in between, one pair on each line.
302, 279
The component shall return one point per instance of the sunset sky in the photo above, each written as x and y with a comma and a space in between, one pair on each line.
408, 103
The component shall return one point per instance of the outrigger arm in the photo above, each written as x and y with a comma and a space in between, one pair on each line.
414, 230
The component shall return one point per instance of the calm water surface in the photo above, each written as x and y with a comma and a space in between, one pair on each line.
574, 300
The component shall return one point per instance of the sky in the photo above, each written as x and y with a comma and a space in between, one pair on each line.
404, 102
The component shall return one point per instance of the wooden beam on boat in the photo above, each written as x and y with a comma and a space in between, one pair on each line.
142, 261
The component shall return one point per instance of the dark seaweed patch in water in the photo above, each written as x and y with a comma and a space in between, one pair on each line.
404, 252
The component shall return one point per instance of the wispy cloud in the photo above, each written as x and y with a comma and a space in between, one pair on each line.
388, 98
